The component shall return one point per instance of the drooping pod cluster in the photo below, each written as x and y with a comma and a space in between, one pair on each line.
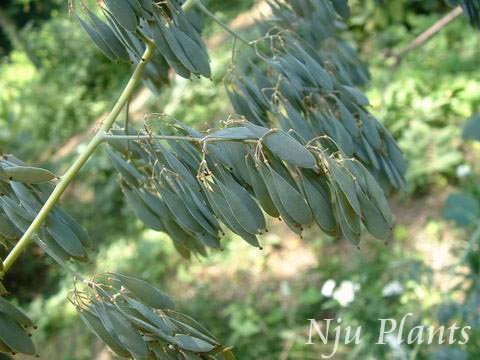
292, 85
139, 321
187, 184
23, 191
319, 23
126, 24
14, 330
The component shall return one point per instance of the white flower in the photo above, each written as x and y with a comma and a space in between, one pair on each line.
327, 288
463, 170
345, 294
392, 288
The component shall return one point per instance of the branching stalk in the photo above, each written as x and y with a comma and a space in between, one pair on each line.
81, 160
190, 3
107, 137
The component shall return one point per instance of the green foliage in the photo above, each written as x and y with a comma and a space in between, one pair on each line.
471, 9
425, 111
41, 107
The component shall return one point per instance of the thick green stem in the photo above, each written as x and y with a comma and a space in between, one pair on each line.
80, 161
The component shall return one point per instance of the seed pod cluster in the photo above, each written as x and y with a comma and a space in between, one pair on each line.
292, 85
177, 36
139, 321
319, 23
23, 191
14, 330
234, 175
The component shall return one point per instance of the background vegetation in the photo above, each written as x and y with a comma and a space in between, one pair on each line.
54, 84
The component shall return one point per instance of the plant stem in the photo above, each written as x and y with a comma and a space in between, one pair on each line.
190, 3
80, 161
107, 137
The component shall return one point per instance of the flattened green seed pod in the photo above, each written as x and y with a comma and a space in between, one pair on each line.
272, 189
185, 319
96, 326
10, 205
109, 37
233, 133
194, 344
137, 7
224, 213
197, 214
15, 313
341, 209
147, 4
373, 219
7, 229
289, 149
73, 225
26, 197
128, 336
146, 293
359, 96
28, 174
345, 183
15, 337
97, 39
239, 210
20, 222
65, 237
170, 36
141, 210
292, 200
246, 199
260, 189
180, 211
342, 8
320, 205
123, 13
162, 323
128, 172
51, 247
195, 54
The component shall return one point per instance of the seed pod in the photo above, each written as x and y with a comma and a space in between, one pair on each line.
222, 209
260, 189
28, 175
7, 229
289, 150
109, 38
146, 293
14, 336
15, 313
65, 237
320, 205
141, 210
97, 39
123, 13
95, 325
